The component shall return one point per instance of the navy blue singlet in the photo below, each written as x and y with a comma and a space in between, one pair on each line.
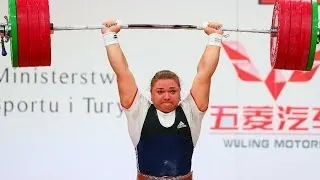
163, 151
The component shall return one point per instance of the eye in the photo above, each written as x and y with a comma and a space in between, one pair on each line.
160, 92
173, 91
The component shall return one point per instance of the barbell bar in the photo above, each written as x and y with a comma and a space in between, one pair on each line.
294, 33
158, 26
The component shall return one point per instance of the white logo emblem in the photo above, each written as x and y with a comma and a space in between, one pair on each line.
181, 125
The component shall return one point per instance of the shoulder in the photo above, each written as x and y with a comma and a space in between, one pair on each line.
139, 102
188, 104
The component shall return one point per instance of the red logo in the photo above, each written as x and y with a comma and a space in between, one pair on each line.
274, 81
248, 119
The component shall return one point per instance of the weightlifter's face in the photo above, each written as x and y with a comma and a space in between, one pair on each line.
165, 95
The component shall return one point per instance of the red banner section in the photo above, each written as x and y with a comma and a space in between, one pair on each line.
271, 1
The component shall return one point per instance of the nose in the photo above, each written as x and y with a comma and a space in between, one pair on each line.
166, 96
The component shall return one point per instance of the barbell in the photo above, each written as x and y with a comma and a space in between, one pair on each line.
294, 33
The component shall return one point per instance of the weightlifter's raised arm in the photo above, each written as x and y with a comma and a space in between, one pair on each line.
126, 83
208, 63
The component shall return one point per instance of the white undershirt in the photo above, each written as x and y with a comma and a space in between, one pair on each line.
166, 119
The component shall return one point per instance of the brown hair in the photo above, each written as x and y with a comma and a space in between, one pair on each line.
164, 74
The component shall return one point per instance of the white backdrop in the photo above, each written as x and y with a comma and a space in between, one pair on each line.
80, 142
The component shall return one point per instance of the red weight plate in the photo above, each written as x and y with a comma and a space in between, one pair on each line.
44, 21
294, 50
306, 32
34, 37
279, 41
23, 33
